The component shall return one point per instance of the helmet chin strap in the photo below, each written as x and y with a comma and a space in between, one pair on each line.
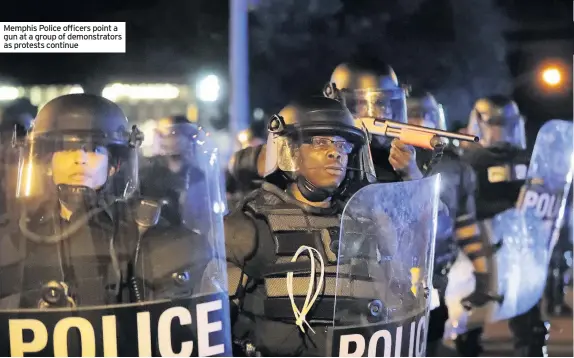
311, 192
77, 197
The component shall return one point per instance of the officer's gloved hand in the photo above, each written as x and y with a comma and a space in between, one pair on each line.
403, 159
481, 295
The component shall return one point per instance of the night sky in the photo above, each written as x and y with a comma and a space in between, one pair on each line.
212, 25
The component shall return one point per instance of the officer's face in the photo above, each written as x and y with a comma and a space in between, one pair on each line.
323, 161
79, 167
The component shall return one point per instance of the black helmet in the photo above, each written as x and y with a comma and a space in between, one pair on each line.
423, 109
315, 116
82, 121
368, 91
85, 115
497, 119
354, 76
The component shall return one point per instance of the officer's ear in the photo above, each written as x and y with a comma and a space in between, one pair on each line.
112, 171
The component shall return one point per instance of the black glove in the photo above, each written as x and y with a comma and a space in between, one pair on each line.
481, 295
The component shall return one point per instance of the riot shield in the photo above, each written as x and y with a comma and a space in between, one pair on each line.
526, 235
385, 260
91, 268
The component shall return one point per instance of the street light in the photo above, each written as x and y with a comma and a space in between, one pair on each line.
208, 89
8, 93
552, 76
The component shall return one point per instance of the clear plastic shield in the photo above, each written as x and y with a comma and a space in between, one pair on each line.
384, 271
383, 104
90, 268
8, 176
527, 235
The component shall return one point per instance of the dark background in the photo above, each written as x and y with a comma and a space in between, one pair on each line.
459, 49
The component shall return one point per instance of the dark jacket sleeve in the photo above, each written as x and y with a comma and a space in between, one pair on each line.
243, 167
246, 247
467, 202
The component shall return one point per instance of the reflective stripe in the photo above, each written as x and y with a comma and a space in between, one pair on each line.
467, 231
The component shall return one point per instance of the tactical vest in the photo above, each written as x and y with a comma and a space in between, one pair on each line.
500, 174
291, 228
81, 263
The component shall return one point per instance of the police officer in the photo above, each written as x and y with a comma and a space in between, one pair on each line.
458, 184
78, 141
497, 121
351, 83
82, 238
375, 91
314, 146
170, 174
241, 176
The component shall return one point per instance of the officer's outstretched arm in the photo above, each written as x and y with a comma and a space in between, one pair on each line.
467, 231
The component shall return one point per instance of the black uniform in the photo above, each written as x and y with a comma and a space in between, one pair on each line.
458, 184
159, 183
171, 260
47, 248
261, 239
270, 226
383, 169
80, 243
496, 194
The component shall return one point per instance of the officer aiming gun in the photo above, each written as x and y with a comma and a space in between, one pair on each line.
418, 136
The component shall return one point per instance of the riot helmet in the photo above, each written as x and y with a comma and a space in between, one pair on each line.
348, 76
369, 91
315, 143
496, 120
80, 151
424, 110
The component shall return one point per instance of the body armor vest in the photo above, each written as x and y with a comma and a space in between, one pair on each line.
292, 227
500, 173
83, 267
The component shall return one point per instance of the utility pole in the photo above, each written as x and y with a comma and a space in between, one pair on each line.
238, 66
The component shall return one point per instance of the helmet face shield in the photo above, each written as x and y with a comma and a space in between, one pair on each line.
430, 117
89, 161
500, 130
377, 103
320, 150
495, 124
